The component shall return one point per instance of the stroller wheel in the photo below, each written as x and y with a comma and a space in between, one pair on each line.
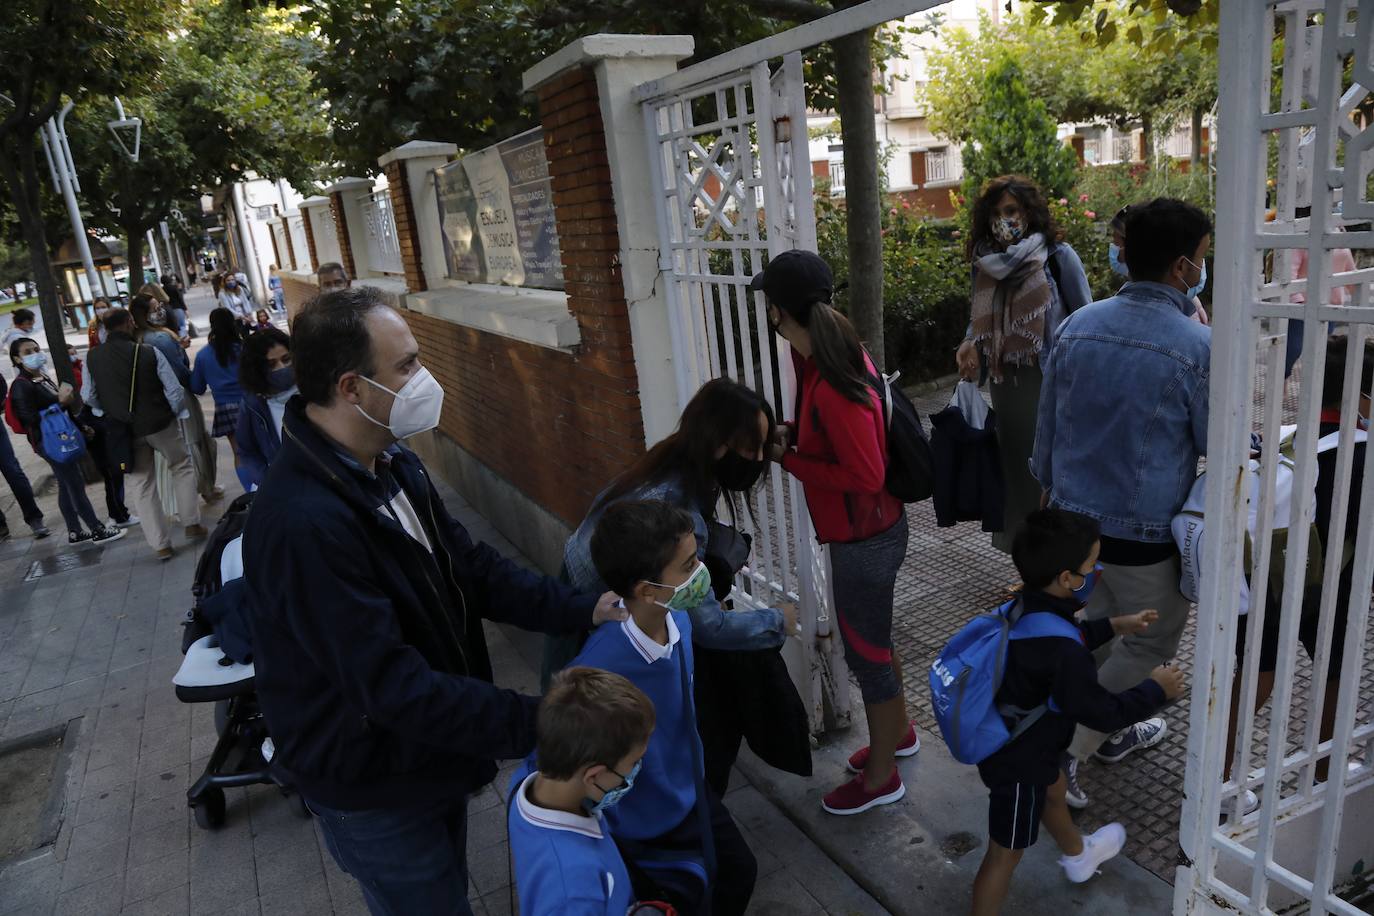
209, 808
222, 717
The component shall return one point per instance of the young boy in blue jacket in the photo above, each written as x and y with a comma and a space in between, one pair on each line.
679, 842
1056, 554
593, 728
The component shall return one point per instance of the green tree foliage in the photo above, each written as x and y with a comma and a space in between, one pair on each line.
1013, 133
1069, 68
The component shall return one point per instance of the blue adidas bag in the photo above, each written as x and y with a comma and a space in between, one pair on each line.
966, 676
62, 441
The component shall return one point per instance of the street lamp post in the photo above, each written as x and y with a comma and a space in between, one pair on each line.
59, 156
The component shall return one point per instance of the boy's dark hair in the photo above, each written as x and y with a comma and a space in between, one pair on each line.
329, 338
1159, 233
1051, 541
117, 320
253, 360
635, 540
1333, 382
590, 717
22, 316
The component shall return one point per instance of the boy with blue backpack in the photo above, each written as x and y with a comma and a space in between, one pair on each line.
1017, 727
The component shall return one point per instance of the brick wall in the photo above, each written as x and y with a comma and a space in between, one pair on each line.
310, 238
398, 186
557, 425
341, 231
296, 293
290, 253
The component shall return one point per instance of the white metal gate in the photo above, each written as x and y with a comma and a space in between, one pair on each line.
732, 185
1292, 73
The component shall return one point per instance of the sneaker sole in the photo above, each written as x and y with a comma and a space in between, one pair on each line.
1139, 746
901, 752
1076, 803
870, 804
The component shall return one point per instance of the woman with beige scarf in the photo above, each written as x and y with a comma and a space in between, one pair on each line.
1025, 282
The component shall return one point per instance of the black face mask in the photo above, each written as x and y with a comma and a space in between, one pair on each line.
735, 472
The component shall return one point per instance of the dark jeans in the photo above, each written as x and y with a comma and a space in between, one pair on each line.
736, 867
109, 470
408, 861
19, 483
71, 496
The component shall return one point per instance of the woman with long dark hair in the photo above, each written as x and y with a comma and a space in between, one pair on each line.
1026, 281
217, 368
150, 324
716, 454
268, 380
837, 448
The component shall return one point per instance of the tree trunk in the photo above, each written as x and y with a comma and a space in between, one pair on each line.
20, 170
134, 254
1196, 152
863, 208
1147, 137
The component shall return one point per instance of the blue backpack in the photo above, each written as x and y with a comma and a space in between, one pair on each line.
965, 678
62, 441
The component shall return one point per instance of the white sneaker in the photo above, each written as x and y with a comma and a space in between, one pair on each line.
1237, 806
1105, 844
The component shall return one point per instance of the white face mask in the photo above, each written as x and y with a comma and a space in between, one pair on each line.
416, 407
34, 362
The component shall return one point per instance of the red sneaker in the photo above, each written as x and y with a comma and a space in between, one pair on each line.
853, 798
908, 748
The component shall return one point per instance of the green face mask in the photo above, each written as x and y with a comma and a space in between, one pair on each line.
690, 593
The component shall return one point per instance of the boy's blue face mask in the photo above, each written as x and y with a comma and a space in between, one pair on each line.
1114, 259
1085, 591
1194, 291
614, 795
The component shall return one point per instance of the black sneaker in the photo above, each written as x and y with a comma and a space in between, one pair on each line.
78, 537
104, 535
1129, 740
1074, 794
39, 529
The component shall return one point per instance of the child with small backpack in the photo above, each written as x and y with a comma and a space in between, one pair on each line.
1048, 687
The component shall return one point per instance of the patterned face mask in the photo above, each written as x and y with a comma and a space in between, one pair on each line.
1007, 230
690, 593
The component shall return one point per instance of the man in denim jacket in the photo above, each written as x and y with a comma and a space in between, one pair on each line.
1122, 422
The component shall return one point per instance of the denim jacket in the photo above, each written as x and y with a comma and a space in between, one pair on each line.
1123, 411
712, 626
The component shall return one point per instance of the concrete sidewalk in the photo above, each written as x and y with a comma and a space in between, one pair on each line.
96, 646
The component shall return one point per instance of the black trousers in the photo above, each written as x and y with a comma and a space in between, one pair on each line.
735, 873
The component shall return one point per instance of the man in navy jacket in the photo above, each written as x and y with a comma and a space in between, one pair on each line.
367, 601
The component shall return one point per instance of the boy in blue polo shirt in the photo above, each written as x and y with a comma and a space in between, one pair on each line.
678, 841
592, 729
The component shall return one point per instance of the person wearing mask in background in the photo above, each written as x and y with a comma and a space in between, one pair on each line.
1025, 281
178, 317
1342, 261
23, 321
234, 297
32, 394
95, 331
367, 600
18, 481
837, 448
268, 381
150, 327
331, 277
274, 287
217, 368
132, 383
1129, 462
1116, 252
97, 441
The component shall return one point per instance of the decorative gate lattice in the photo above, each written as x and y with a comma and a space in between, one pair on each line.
732, 182
1293, 74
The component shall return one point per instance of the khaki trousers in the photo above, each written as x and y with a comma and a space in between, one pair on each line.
142, 484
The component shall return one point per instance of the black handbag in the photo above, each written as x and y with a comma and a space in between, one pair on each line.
745, 693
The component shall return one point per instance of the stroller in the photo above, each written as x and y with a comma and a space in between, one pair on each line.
218, 669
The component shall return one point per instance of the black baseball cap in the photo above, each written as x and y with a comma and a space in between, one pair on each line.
795, 278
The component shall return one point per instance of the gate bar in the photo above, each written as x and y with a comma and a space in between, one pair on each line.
807, 35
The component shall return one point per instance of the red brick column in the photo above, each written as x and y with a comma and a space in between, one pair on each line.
398, 186
336, 205
310, 239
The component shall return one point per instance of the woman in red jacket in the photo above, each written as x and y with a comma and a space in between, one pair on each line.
837, 448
